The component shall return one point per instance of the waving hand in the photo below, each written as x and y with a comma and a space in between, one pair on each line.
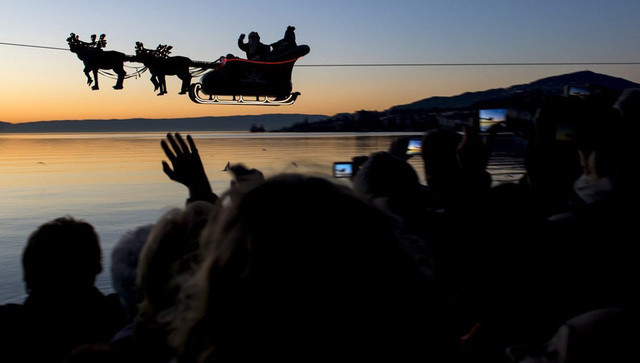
186, 166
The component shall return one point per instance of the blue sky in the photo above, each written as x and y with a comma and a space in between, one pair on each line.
338, 32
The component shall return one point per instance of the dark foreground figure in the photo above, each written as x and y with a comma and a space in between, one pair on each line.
64, 310
299, 268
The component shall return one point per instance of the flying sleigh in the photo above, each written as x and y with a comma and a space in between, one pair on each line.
240, 81
262, 79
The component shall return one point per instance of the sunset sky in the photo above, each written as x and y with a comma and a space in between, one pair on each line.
39, 84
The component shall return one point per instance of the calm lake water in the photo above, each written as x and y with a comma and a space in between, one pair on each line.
115, 181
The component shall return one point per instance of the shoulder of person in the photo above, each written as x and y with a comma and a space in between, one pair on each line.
9, 310
14, 320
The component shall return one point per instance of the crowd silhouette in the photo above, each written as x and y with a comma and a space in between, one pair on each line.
296, 267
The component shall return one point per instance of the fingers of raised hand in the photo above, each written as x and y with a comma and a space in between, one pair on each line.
167, 150
167, 170
178, 146
182, 144
174, 144
192, 145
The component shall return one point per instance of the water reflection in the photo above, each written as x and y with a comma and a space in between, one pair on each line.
115, 180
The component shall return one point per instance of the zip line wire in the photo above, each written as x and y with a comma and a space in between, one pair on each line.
32, 46
409, 64
466, 64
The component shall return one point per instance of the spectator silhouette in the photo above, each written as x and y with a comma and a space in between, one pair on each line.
572, 222
124, 265
454, 167
485, 245
628, 105
166, 262
458, 185
599, 218
601, 335
389, 182
551, 161
299, 267
64, 309
392, 184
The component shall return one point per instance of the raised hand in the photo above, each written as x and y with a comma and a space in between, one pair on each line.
186, 167
398, 148
358, 161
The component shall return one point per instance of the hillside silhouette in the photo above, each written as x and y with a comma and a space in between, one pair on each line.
219, 123
433, 112
547, 86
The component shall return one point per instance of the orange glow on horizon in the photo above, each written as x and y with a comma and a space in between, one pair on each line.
324, 91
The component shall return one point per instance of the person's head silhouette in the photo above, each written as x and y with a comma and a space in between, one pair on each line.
62, 255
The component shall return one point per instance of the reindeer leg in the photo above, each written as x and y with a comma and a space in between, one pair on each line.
86, 72
95, 76
119, 83
154, 80
186, 82
163, 85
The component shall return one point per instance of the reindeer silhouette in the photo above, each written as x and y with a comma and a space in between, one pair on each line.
160, 65
94, 59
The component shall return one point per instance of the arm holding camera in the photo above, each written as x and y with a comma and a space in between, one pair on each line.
398, 148
358, 161
474, 151
473, 154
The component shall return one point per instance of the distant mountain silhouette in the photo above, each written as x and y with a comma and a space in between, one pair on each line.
550, 85
220, 123
435, 112
4, 125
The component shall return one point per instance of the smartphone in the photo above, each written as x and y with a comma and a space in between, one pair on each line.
414, 147
565, 132
342, 169
578, 90
491, 116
